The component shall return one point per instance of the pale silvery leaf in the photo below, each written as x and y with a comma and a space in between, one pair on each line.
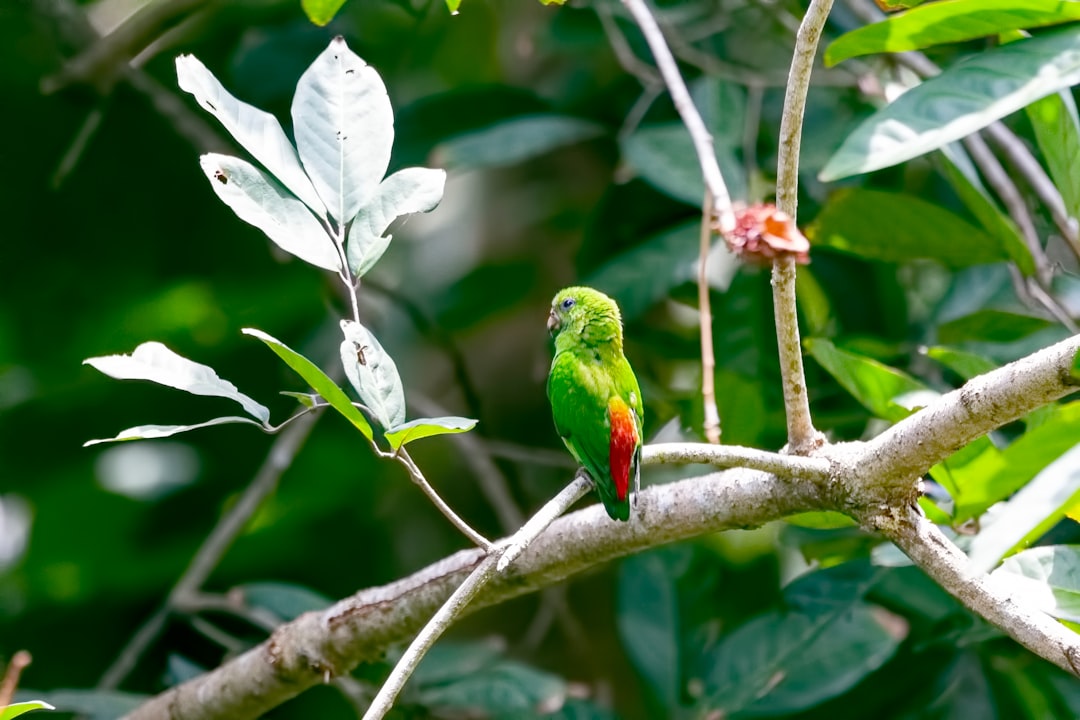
259, 200
344, 129
373, 374
150, 432
407, 191
257, 131
154, 362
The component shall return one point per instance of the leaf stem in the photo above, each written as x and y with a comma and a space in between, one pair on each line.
402, 456
708, 359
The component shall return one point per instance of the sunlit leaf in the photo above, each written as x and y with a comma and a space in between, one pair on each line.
344, 128
427, 427
515, 140
407, 191
15, 710
154, 362
317, 379
964, 98
1047, 578
1057, 130
321, 12
894, 227
1027, 516
948, 22
373, 374
257, 131
151, 432
966, 365
257, 199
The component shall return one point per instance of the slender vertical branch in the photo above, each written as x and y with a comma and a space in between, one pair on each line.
708, 359
468, 590
802, 437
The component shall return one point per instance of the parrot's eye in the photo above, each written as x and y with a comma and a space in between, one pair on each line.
568, 303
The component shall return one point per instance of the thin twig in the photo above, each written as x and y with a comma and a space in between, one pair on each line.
403, 457
468, 590
278, 460
10, 682
708, 359
802, 437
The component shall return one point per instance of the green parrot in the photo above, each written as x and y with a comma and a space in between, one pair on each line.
594, 395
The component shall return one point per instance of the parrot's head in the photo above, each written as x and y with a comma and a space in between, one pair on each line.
584, 314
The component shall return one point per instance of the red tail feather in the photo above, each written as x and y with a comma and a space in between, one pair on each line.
624, 441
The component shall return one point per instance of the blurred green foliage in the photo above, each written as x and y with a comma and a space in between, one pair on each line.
558, 172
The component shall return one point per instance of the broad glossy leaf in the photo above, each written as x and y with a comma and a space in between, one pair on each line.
886, 392
1057, 130
257, 199
1047, 578
154, 362
257, 131
373, 374
285, 600
515, 140
427, 427
317, 379
10, 712
152, 432
321, 12
948, 22
648, 620
505, 690
991, 326
964, 98
1027, 516
966, 365
894, 227
407, 191
664, 156
965, 180
344, 128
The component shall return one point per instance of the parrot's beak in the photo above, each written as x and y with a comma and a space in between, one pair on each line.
553, 322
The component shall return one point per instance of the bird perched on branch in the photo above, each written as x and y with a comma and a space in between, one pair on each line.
594, 395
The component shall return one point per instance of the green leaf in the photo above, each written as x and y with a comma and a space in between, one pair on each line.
13, 711
257, 131
321, 12
154, 432
894, 227
285, 600
1026, 517
966, 365
647, 607
427, 427
1057, 131
407, 191
1075, 371
964, 178
317, 379
822, 520
344, 128
450, 661
154, 362
258, 200
504, 690
1047, 578
179, 669
991, 326
964, 98
663, 155
96, 704
884, 391
515, 140
373, 374
948, 22
452, 6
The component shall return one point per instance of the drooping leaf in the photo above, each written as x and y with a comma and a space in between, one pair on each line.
427, 427
948, 22
154, 362
1057, 131
1047, 578
373, 374
894, 227
964, 98
515, 140
965, 180
321, 12
648, 620
285, 600
1027, 516
152, 432
886, 392
344, 128
257, 131
257, 199
407, 191
10, 712
317, 379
